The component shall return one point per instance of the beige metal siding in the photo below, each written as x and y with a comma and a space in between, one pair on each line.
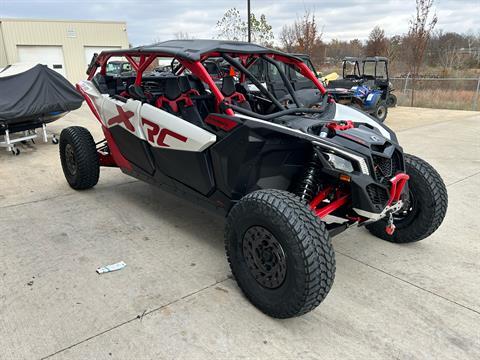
73, 36
3, 53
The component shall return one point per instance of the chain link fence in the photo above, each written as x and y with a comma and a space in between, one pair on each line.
438, 93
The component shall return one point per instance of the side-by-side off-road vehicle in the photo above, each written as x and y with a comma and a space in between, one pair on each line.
365, 85
287, 176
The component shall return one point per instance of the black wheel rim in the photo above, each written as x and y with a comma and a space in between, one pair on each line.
264, 257
407, 212
70, 159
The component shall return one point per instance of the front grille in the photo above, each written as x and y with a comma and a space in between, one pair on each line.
377, 194
382, 166
397, 162
386, 168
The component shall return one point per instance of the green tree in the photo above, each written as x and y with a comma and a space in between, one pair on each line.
261, 31
183, 35
232, 27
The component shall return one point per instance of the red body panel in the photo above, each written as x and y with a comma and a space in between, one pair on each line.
117, 156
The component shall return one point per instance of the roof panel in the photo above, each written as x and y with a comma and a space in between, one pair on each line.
194, 49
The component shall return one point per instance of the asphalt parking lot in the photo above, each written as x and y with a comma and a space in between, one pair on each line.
176, 299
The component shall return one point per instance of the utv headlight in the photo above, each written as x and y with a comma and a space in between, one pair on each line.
338, 162
323, 146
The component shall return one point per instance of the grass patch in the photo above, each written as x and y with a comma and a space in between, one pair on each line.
439, 99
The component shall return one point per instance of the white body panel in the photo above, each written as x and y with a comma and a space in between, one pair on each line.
344, 112
197, 139
160, 128
110, 112
94, 95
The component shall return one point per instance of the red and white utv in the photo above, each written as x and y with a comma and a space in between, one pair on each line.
289, 171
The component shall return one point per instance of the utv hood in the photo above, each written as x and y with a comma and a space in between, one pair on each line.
344, 113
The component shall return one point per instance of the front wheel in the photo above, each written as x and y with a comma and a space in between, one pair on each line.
425, 209
280, 253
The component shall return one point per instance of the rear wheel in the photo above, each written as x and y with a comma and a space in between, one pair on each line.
391, 100
79, 158
381, 111
280, 253
425, 210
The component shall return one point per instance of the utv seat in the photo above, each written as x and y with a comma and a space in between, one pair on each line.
105, 84
196, 84
231, 94
186, 87
136, 93
344, 83
179, 103
203, 100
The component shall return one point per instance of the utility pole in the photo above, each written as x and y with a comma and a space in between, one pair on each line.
249, 22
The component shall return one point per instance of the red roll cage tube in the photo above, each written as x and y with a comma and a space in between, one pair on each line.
197, 68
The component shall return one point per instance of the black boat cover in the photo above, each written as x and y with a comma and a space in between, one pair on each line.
35, 93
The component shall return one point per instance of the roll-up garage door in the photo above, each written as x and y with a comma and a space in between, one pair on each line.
52, 56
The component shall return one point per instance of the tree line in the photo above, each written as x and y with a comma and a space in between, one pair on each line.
422, 46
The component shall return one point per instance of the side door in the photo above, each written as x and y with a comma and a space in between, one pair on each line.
123, 120
159, 144
180, 149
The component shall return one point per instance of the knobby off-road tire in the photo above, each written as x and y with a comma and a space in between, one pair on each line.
286, 232
427, 209
79, 158
381, 111
392, 100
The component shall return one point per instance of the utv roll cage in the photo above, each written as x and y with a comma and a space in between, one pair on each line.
191, 55
359, 67
355, 73
308, 61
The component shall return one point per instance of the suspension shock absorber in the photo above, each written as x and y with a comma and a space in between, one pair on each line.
308, 185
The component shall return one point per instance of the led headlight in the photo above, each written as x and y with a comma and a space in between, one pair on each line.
338, 162
362, 164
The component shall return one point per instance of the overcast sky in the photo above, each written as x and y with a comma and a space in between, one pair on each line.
148, 21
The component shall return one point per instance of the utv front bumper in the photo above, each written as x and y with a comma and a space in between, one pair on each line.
376, 187
394, 202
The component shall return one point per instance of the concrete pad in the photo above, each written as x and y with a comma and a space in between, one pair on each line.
403, 118
388, 301
452, 146
367, 315
58, 249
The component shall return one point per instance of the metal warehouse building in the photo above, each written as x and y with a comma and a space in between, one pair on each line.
63, 45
